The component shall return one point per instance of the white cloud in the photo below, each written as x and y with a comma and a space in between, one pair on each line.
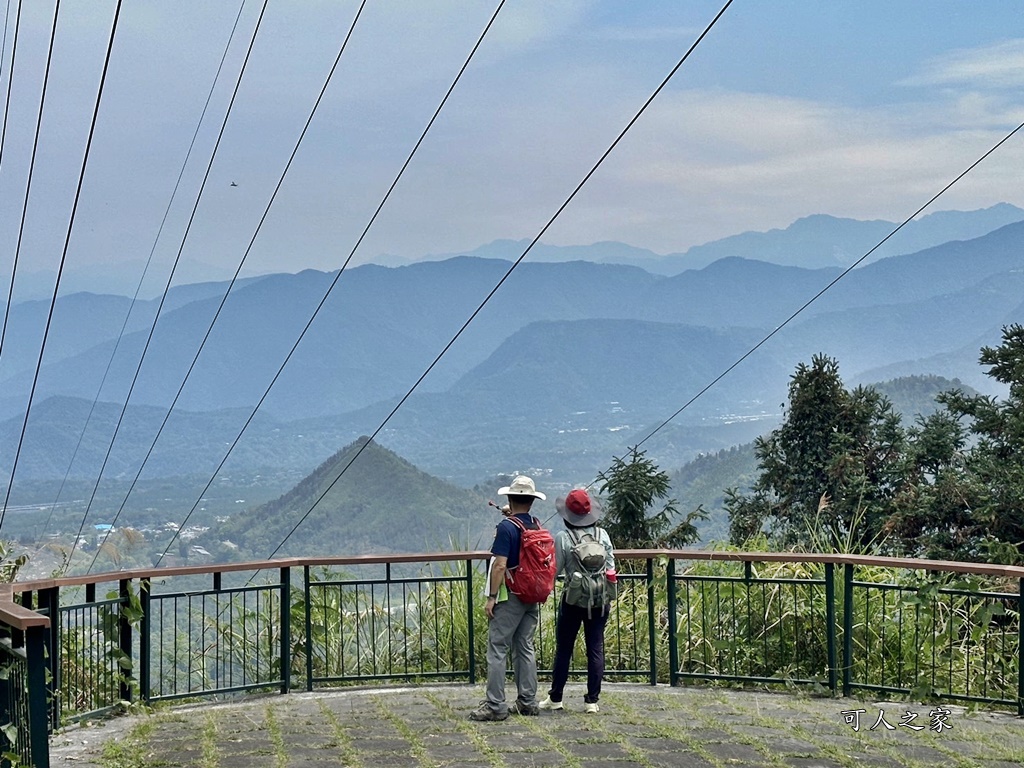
996, 66
550, 88
707, 165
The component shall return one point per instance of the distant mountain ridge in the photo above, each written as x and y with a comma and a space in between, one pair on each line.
821, 240
566, 363
812, 242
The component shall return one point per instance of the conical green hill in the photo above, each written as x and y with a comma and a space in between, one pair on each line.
381, 504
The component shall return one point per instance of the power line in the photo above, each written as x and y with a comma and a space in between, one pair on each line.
149, 260
3, 142
515, 264
10, 75
839, 277
337, 277
170, 277
21, 231
3, 47
241, 263
67, 239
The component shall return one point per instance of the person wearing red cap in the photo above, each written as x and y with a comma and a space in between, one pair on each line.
580, 516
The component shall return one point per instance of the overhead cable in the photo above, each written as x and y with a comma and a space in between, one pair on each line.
67, 241
338, 275
145, 269
10, 74
170, 277
515, 264
24, 213
839, 277
238, 270
3, 142
3, 46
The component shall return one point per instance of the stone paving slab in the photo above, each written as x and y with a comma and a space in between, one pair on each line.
637, 727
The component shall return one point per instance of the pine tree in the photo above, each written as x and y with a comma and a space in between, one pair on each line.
633, 488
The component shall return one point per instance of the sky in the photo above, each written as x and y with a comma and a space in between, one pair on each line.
861, 108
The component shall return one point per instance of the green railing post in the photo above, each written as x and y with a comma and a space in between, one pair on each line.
124, 636
1020, 648
847, 627
830, 620
286, 629
49, 603
673, 645
469, 619
309, 627
145, 639
651, 624
38, 703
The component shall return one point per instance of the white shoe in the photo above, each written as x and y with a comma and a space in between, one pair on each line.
591, 708
549, 704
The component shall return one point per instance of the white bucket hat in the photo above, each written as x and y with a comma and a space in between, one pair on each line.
522, 486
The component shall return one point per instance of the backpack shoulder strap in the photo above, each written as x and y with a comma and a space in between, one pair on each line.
517, 522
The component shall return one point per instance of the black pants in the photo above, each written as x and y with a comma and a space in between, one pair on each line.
570, 618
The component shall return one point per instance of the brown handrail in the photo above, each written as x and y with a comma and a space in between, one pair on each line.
14, 615
21, 618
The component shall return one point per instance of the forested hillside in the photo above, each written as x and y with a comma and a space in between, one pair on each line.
704, 481
382, 503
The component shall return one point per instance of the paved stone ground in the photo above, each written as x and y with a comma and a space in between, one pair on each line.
638, 727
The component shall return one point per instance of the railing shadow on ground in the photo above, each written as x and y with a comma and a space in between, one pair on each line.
836, 624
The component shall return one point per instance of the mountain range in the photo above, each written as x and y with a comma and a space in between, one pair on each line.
567, 363
811, 242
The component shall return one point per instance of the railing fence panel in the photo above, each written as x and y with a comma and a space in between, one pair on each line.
912, 628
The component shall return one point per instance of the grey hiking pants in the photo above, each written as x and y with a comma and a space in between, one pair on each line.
512, 628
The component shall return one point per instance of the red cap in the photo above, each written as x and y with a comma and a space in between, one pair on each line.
578, 502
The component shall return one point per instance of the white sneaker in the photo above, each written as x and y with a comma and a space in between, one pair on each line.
549, 704
591, 708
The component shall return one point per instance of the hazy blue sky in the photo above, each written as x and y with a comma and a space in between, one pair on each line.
856, 108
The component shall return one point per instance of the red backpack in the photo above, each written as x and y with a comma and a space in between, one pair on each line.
534, 577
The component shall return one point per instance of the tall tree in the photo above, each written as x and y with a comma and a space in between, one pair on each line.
991, 512
829, 472
931, 515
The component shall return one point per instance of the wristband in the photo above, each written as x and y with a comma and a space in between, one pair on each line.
493, 597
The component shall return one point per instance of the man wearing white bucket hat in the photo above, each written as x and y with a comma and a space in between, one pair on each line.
511, 622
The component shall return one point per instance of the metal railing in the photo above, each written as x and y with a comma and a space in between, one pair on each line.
24, 721
837, 623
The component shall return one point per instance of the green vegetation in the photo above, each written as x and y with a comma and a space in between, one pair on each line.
381, 504
704, 481
633, 489
843, 473
830, 469
10, 564
130, 751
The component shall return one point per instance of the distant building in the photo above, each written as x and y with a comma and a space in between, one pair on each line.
102, 532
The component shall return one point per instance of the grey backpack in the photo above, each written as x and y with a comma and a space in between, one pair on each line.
587, 585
